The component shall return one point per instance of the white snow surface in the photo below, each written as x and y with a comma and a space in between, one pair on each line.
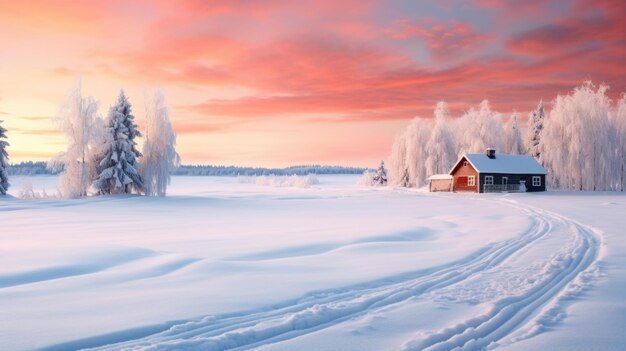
219, 264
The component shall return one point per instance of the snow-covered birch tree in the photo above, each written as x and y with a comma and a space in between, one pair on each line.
118, 169
441, 150
4, 161
159, 149
578, 143
480, 129
535, 128
78, 120
619, 121
397, 159
514, 144
418, 133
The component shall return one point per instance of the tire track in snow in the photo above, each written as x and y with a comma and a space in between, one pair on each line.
515, 313
323, 309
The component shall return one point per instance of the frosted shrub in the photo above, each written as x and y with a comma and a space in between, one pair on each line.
375, 178
28, 193
367, 179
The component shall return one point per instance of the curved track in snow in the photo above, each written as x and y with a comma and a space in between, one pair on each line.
512, 316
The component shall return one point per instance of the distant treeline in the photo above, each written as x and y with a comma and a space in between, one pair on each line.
30, 168
39, 168
253, 171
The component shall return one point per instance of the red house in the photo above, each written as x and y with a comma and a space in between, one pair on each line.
489, 172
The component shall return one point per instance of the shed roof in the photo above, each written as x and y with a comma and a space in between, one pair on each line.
440, 177
502, 163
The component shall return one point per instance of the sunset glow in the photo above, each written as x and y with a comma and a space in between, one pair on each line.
278, 83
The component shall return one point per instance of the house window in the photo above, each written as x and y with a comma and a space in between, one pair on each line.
471, 181
488, 180
465, 164
536, 181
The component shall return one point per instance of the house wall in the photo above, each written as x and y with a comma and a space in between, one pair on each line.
440, 185
460, 174
529, 183
515, 179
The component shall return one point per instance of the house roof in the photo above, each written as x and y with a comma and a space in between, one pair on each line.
502, 163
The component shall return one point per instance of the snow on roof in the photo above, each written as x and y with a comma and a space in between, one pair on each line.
439, 176
502, 163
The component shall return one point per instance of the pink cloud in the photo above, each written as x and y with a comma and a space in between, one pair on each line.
332, 62
445, 40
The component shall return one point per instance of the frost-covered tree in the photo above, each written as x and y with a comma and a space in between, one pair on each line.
118, 169
578, 142
405, 181
534, 131
78, 120
619, 121
4, 161
408, 155
514, 144
441, 150
159, 149
417, 136
397, 159
380, 178
480, 129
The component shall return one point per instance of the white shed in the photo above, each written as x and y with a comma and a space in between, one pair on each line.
440, 182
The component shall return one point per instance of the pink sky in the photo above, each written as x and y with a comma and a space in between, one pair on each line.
277, 83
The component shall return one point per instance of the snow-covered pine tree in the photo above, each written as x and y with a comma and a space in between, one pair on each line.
535, 129
381, 175
118, 166
159, 149
4, 161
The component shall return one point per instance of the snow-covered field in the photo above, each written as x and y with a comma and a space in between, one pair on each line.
228, 264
